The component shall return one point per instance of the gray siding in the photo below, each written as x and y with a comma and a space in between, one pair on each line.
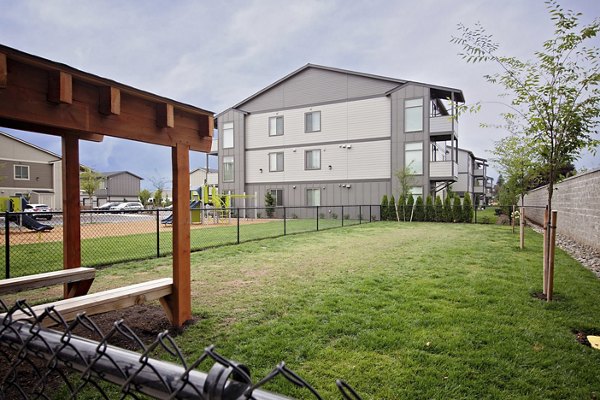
314, 86
121, 186
238, 152
40, 175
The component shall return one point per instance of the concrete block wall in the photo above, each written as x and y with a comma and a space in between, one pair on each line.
577, 200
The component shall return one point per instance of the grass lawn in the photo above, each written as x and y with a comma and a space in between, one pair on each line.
398, 310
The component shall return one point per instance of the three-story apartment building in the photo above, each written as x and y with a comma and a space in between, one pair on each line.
327, 136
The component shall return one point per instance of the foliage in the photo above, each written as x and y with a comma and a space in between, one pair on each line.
419, 214
144, 196
429, 209
384, 208
402, 208
410, 207
448, 210
90, 182
439, 209
157, 197
467, 209
392, 216
269, 204
405, 178
457, 215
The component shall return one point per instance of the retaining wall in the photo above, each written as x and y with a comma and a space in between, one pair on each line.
577, 200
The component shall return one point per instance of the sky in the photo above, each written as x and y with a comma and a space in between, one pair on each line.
213, 54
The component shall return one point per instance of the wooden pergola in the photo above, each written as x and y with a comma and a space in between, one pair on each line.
44, 96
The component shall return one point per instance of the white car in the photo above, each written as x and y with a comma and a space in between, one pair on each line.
39, 211
107, 206
130, 206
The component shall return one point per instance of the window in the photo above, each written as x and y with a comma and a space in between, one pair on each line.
312, 121
413, 157
228, 135
277, 196
312, 159
313, 197
275, 126
275, 162
22, 172
228, 169
413, 115
416, 191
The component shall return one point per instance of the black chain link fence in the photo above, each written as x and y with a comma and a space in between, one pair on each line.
30, 246
41, 363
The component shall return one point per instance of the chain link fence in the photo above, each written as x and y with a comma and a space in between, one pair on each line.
29, 245
41, 363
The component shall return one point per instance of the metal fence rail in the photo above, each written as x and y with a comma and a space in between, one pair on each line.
55, 357
108, 237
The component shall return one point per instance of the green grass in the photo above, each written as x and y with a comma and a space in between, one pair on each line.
400, 311
487, 216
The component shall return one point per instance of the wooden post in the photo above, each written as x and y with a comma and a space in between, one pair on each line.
551, 256
522, 227
180, 302
512, 219
71, 206
545, 262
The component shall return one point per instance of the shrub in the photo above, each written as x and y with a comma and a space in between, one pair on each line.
392, 209
447, 210
429, 210
419, 209
410, 209
457, 210
467, 209
439, 209
269, 204
384, 207
402, 208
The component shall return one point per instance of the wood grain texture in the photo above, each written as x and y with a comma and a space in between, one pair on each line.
20, 283
3, 71
71, 206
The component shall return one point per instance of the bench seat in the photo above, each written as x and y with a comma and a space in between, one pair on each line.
71, 275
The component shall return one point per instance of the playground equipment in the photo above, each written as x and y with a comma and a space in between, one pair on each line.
16, 204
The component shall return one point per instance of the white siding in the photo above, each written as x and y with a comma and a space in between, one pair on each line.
442, 124
363, 160
353, 120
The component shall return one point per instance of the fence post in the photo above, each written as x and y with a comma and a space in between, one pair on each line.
7, 245
284, 222
359, 215
475, 205
238, 225
342, 215
552, 239
370, 213
317, 218
157, 233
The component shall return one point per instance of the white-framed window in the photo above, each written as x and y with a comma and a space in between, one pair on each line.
277, 195
413, 115
276, 126
312, 121
276, 162
312, 159
21, 172
413, 157
228, 164
228, 135
313, 197
415, 191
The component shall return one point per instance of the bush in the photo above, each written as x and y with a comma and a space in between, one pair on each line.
409, 209
384, 207
402, 208
447, 210
467, 209
419, 210
392, 209
457, 213
439, 209
269, 204
429, 210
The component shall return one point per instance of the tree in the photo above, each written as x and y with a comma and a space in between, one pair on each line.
448, 209
383, 209
144, 196
269, 204
429, 210
157, 197
457, 210
419, 214
556, 97
410, 207
391, 209
90, 182
405, 178
402, 208
467, 209
439, 209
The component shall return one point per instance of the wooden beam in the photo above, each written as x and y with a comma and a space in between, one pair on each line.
110, 100
165, 116
3, 71
71, 206
60, 87
180, 302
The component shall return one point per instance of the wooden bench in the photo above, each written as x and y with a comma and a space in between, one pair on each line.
109, 300
78, 280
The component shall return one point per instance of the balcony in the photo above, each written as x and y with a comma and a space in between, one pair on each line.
442, 127
443, 171
479, 172
214, 148
478, 189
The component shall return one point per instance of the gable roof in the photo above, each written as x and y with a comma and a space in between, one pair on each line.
399, 82
114, 173
16, 139
210, 170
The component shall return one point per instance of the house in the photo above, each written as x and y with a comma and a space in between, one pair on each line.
29, 170
117, 186
327, 136
204, 176
472, 178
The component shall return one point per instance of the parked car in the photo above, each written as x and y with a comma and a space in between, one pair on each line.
39, 211
107, 206
131, 206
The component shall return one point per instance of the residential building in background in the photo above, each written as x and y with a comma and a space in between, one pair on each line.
472, 178
327, 136
117, 186
204, 176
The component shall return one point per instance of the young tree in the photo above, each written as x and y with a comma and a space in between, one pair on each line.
157, 198
269, 204
448, 209
392, 215
402, 208
429, 210
90, 182
556, 97
410, 207
467, 209
439, 209
144, 196
383, 209
419, 214
456, 210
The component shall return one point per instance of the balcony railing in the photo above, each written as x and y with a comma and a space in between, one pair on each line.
443, 124
443, 170
479, 172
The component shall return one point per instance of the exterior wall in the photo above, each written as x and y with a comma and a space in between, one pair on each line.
577, 200
40, 176
313, 86
119, 187
238, 152
198, 176
465, 173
